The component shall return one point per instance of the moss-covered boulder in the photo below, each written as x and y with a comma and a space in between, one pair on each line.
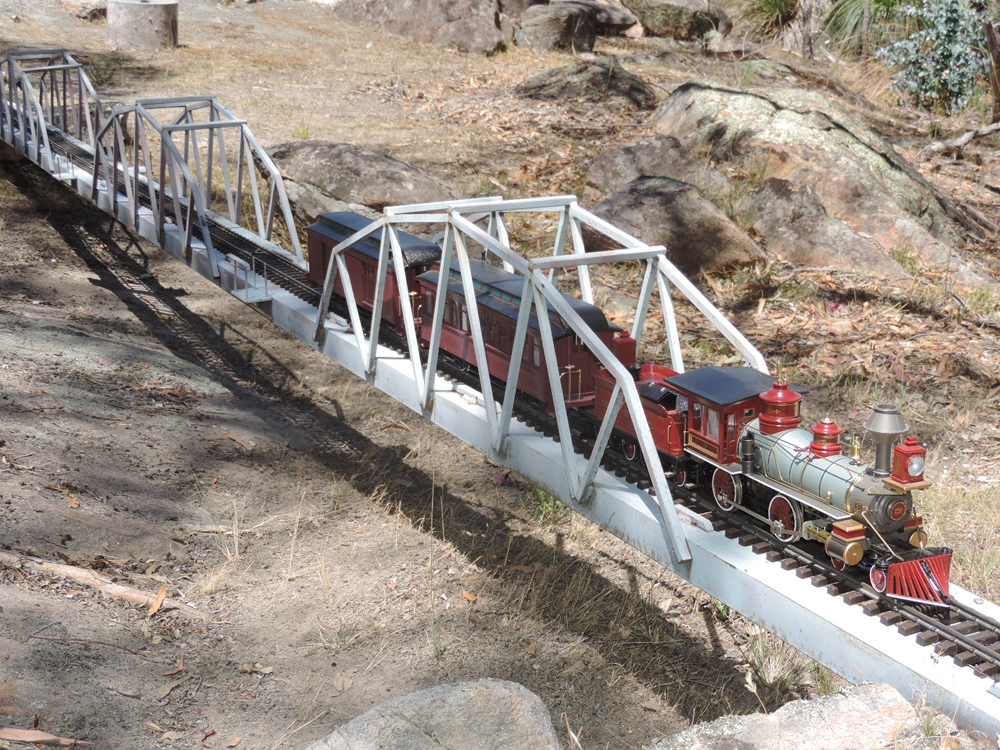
663, 211
809, 142
680, 19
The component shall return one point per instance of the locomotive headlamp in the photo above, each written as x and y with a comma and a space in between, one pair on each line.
908, 463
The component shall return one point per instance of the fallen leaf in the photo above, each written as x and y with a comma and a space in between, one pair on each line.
342, 682
501, 477
208, 734
33, 735
234, 741
255, 669
164, 691
650, 705
397, 426
392, 586
532, 648
151, 725
74, 502
161, 595
535, 567
174, 735
470, 597
239, 442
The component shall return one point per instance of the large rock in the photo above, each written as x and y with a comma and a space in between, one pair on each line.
797, 227
591, 81
322, 176
481, 715
809, 141
862, 717
657, 156
563, 25
470, 25
609, 19
661, 211
680, 19
516, 7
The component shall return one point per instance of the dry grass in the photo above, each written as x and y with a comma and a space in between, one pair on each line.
962, 511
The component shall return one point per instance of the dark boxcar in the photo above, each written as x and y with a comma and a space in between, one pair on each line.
362, 261
498, 296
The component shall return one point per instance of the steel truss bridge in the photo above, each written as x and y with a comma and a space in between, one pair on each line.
189, 176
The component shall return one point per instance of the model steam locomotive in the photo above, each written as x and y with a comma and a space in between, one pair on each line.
733, 431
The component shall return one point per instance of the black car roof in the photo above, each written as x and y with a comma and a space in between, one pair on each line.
339, 225
723, 385
514, 285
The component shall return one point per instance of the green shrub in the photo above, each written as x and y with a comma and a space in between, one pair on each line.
844, 21
941, 63
771, 16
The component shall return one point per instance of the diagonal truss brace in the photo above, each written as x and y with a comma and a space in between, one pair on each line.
463, 231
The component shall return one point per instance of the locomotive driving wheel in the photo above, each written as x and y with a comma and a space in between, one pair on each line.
726, 489
786, 518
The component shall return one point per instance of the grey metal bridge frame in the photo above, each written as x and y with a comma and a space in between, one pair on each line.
50, 113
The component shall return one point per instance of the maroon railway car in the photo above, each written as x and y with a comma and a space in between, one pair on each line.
498, 296
331, 229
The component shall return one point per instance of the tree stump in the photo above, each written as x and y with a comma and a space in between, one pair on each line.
142, 24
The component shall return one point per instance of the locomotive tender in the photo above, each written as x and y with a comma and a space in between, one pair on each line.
733, 431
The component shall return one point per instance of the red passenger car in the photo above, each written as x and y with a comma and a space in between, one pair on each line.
362, 261
498, 296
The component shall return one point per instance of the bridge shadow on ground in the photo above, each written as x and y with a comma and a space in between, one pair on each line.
638, 616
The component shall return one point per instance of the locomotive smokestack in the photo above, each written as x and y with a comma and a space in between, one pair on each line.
886, 425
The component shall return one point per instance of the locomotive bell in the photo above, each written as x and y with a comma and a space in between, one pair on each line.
886, 425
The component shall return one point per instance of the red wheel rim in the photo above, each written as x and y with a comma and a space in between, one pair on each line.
838, 563
783, 511
726, 490
878, 579
681, 478
631, 451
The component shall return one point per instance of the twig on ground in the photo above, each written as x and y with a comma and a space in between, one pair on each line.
954, 147
92, 578
87, 642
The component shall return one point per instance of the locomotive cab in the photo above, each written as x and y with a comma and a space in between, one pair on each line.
718, 402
